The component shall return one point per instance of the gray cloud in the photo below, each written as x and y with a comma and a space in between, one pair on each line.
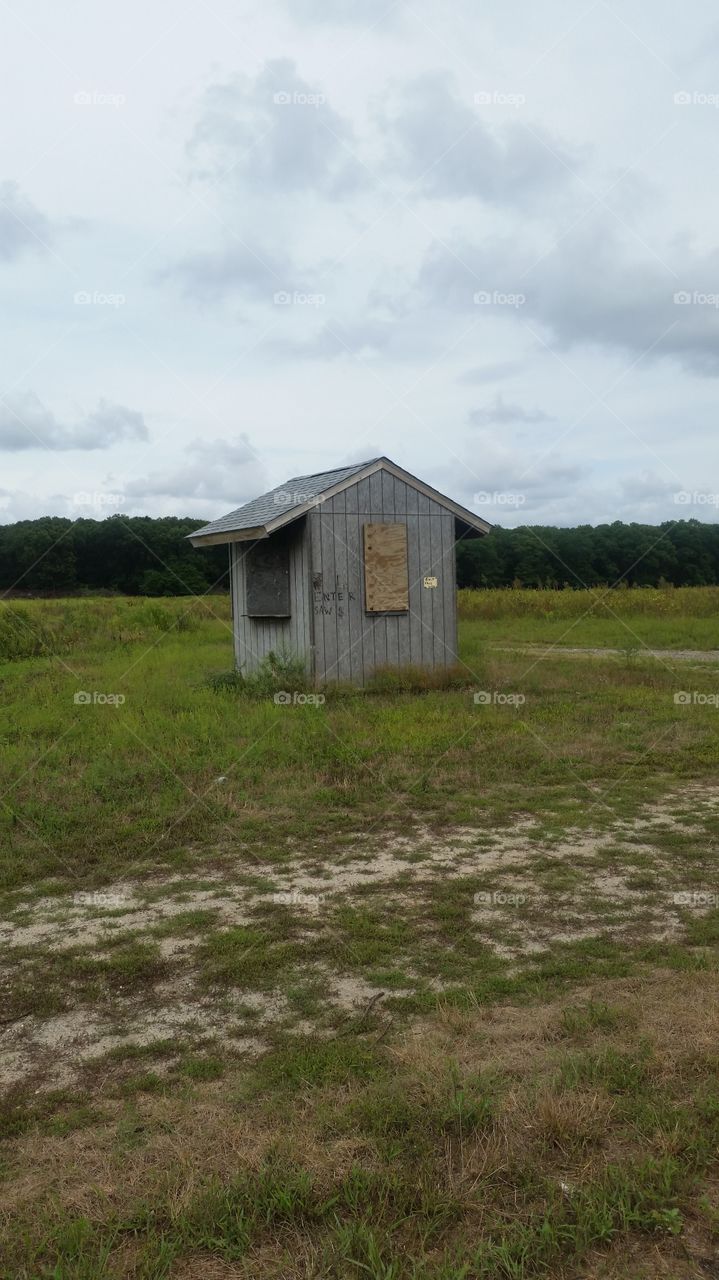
226, 471
276, 133
501, 413
26, 423
440, 143
251, 271
648, 495
336, 339
591, 288
22, 227
504, 482
493, 372
340, 12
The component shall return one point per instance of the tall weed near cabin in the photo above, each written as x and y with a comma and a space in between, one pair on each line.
599, 602
21, 636
44, 628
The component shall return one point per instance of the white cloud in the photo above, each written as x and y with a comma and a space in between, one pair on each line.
441, 144
276, 130
23, 228
224, 473
26, 423
500, 412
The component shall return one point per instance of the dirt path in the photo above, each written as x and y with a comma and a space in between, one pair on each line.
672, 655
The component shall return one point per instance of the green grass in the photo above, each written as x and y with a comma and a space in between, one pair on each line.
90, 790
579, 1020
245, 957
230, 1220
422, 1208
469, 1112
629, 619
203, 1068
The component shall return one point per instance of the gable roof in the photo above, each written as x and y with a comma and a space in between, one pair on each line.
287, 502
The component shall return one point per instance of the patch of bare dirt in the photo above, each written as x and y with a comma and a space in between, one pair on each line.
535, 894
678, 655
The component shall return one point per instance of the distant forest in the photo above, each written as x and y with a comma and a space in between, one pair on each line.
138, 555
684, 553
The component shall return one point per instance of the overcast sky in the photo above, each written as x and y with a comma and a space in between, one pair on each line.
244, 242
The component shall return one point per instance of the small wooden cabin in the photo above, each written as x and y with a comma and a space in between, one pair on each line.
350, 570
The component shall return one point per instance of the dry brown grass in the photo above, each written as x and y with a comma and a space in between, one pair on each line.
169, 1147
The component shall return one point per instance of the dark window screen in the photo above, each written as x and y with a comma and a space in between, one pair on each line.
267, 567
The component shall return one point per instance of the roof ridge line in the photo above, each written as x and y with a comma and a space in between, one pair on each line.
332, 470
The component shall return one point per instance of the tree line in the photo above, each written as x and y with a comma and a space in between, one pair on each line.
683, 553
140, 555
134, 555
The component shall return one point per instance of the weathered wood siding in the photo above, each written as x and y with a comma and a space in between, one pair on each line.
256, 637
350, 644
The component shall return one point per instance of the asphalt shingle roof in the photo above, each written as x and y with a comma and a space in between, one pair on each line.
277, 502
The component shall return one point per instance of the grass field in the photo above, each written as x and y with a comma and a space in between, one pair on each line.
408, 984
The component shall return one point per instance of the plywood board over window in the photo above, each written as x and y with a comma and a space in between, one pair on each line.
385, 568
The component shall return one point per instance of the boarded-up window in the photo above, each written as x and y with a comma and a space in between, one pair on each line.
267, 575
386, 578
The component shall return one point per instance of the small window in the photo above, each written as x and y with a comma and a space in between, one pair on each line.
267, 575
386, 578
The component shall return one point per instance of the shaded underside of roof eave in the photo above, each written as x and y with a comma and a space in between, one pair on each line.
228, 535
465, 530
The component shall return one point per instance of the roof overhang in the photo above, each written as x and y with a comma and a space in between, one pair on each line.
472, 524
238, 535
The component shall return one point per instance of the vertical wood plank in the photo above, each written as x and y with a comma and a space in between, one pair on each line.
329, 574
450, 591
378, 624
389, 512
341, 587
434, 594
305, 586
368, 639
317, 588
375, 489
355, 613
415, 581
404, 620
425, 566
